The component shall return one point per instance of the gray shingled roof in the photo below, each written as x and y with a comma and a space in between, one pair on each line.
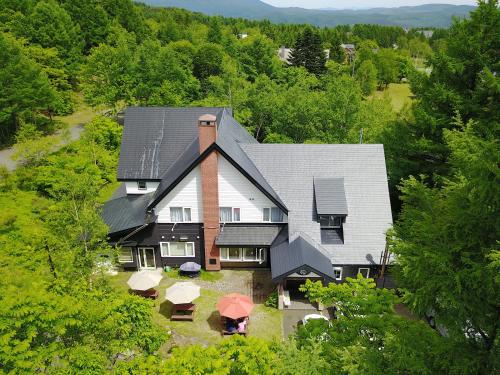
287, 258
154, 137
329, 194
125, 212
291, 170
229, 137
243, 235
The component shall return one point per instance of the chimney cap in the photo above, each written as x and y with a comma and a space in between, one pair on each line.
207, 118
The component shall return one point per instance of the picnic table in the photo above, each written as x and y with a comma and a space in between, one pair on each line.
150, 293
183, 312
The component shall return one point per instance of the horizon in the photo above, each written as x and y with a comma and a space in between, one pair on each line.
361, 4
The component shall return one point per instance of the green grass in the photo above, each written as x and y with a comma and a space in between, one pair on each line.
265, 322
82, 114
399, 94
204, 275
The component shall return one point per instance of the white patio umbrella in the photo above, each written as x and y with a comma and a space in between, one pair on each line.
183, 292
144, 280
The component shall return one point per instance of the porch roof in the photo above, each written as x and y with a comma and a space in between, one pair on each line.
248, 235
287, 258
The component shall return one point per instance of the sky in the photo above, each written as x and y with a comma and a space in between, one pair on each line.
351, 4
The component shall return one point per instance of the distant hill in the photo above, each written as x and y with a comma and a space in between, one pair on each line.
431, 15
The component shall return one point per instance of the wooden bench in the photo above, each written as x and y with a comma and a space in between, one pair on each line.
183, 312
150, 293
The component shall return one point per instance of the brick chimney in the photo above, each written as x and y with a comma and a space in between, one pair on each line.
207, 130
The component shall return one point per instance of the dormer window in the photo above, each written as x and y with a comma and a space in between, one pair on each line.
330, 221
142, 185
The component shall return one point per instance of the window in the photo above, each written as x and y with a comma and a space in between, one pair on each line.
177, 249
180, 214
365, 272
273, 214
243, 254
337, 272
141, 185
330, 221
266, 216
230, 253
236, 214
187, 214
229, 214
125, 255
250, 254
276, 215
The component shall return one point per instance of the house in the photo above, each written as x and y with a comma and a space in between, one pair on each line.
198, 187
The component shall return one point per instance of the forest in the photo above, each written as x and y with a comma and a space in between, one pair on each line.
58, 311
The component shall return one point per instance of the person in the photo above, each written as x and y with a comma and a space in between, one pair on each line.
230, 325
242, 325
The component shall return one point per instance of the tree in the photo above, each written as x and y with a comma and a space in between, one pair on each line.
455, 228
387, 66
208, 61
366, 75
308, 52
26, 90
368, 337
51, 26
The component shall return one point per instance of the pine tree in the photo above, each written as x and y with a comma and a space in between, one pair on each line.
309, 52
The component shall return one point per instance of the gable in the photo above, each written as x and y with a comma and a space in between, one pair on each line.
187, 193
235, 190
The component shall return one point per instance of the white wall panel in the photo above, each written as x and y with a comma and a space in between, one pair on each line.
186, 194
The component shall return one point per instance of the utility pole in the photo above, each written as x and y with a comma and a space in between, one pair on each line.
361, 136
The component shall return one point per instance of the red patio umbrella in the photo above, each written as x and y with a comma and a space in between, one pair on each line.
235, 306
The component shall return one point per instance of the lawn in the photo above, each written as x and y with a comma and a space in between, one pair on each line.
265, 322
399, 93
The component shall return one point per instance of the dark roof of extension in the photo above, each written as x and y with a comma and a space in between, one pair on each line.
230, 135
287, 258
248, 235
154, 137
126, 212
330, 196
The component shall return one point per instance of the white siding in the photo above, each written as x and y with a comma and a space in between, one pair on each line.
131, 187
236, 191
186, 194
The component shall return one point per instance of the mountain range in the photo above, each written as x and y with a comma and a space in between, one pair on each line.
431, 15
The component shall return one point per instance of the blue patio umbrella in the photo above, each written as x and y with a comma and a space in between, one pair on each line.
190, 267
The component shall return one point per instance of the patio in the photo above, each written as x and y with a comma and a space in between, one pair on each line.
206, 328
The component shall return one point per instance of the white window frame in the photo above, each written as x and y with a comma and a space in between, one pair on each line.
183, 214
232, 220
142, 188
166, 254
367, 271
241, 252
120, 257
271, 215
341, 272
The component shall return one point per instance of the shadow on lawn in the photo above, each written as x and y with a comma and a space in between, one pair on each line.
166, 309
214, 321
